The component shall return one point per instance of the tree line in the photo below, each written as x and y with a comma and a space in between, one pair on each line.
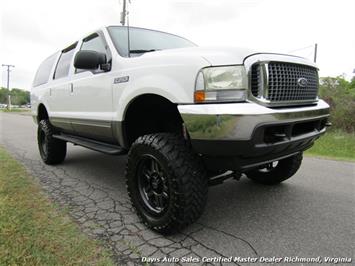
18, 96
340, 95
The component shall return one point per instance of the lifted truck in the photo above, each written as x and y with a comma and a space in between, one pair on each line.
184, 114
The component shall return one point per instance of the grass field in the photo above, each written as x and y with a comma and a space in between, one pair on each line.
335, 145
15, 110
33, 231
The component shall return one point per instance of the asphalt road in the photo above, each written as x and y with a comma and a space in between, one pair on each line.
310, 215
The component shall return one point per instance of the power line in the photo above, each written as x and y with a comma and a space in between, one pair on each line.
315, 47
8, 84
303, 48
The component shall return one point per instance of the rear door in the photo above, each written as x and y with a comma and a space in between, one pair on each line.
92, 95
59, 91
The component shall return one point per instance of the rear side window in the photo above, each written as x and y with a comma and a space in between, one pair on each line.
63, 65
44, 71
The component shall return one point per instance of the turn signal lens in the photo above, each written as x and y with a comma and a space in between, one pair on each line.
199, 96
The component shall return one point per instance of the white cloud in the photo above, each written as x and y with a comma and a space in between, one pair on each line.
32, 30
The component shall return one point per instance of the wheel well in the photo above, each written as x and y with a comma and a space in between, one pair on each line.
150, 113
42, 113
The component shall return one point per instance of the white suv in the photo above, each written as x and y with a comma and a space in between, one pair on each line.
187, 116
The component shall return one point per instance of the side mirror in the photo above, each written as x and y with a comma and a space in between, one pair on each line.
89, 60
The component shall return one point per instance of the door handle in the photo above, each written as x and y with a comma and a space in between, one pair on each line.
71, 88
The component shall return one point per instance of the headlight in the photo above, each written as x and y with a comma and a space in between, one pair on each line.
224, 84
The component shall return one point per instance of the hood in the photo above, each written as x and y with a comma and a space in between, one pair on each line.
214, 55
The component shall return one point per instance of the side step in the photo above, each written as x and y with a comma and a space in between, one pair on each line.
93, 144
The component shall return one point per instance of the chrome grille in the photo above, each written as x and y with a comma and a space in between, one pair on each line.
280, 82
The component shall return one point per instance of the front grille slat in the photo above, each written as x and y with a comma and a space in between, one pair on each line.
282, 82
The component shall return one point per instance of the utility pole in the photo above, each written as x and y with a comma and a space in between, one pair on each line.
315, 52
8, 85
123, 13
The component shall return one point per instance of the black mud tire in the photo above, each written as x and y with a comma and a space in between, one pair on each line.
184, 179
284, 169
52, 151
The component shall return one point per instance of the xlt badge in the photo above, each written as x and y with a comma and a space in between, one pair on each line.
121, 80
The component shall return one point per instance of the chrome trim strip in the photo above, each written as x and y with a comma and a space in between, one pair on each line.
265, 81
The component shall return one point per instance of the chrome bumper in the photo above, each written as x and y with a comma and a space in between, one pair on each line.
238, 121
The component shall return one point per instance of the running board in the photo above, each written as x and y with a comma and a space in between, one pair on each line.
92, 144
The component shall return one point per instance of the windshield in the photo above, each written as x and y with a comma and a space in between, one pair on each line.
144, 40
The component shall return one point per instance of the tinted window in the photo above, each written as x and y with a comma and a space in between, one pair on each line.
94, 43
63, 65
44, 71
145, 40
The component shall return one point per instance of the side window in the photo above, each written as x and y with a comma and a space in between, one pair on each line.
44, 70
63, 65
94, 43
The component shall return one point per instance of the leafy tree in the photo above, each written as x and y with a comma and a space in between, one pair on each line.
340, 95
3, 95
18, 96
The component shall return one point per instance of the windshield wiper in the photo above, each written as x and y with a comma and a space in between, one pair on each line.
141, 51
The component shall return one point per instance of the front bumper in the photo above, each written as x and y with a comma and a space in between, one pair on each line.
249, 134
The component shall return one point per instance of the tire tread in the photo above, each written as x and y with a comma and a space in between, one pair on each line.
56, 149
189, 180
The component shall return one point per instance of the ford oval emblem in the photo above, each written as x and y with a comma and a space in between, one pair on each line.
302, 82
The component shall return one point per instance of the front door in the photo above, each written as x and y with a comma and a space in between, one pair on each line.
92, 94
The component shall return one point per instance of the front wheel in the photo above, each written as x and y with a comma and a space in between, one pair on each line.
166, 182
276, 172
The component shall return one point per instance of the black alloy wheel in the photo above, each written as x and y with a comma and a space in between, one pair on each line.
152, 184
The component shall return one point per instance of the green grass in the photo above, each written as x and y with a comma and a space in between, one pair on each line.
335, 145
33, 231
15, 110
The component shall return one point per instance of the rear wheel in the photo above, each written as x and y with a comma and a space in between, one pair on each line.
276, 172
166, 182
52, 151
